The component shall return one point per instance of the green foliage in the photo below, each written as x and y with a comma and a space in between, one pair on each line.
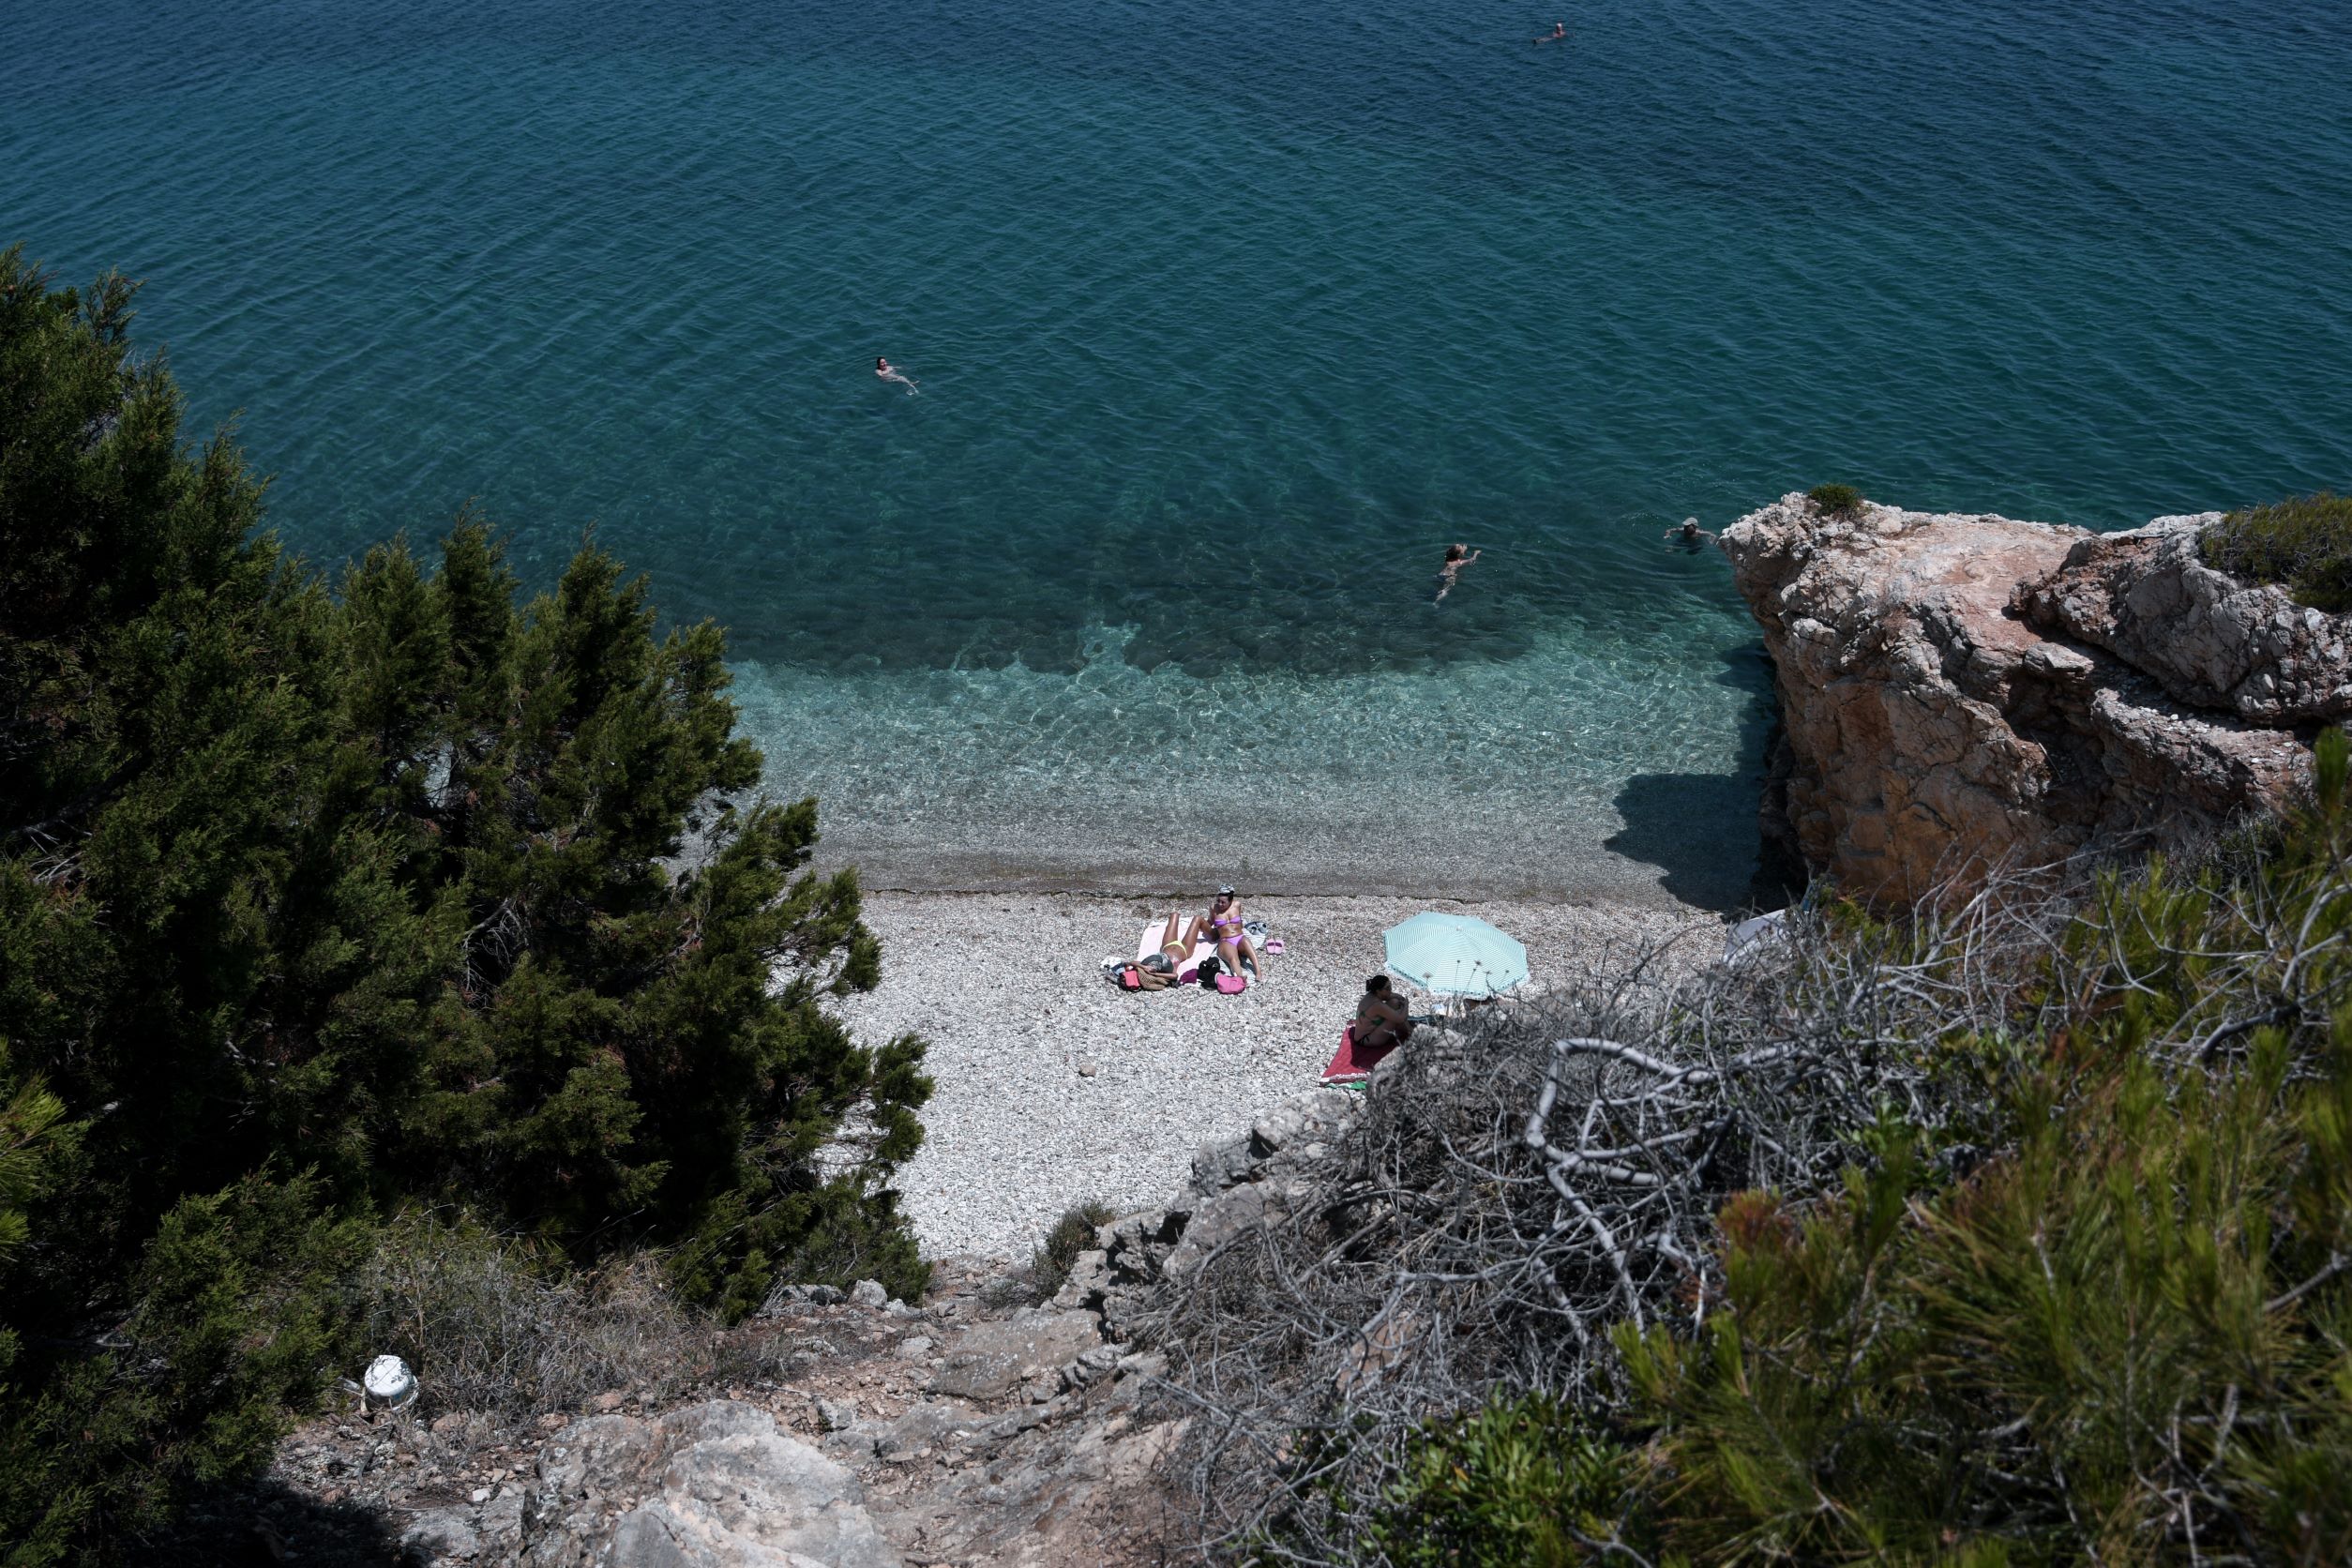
1522, 1483
2303, 544
405, 890
1834, 500
1073, 1233
33, 1134
2126, 1335
231, 1310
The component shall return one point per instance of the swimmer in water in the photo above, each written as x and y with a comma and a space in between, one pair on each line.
882, 368
1457, 557
1558, 35
1689, 534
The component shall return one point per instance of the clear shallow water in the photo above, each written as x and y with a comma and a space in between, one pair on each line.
1227, 317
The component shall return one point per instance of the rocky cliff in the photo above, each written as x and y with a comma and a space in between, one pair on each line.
1965, 692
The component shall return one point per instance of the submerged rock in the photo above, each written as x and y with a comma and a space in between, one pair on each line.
1937, 731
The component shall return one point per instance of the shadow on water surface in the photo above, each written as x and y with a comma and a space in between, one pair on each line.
1679, 821
1702, 828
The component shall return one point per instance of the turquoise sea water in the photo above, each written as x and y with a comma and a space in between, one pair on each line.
1227, 317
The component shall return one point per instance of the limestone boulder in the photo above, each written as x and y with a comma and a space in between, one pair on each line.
751, 1501
1935, 729
712, 1486
2209, 640
1300, 1125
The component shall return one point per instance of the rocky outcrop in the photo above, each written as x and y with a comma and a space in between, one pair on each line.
2209, 640
715, 1486
1945, 715
990, 1361
1236, 1183
975, 1429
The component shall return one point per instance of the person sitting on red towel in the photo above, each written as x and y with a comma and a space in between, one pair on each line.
1381, 1021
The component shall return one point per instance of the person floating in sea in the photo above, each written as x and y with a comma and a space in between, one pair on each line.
883, 369
1689, 534
1457, 557
1558, 35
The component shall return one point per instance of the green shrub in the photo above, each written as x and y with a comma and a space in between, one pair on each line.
2303, 545
1523, 1482
1073, 1233
1834, 500
321, 901
2122, 1334
231, 1319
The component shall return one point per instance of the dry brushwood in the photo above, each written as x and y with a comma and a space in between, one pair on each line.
491, 1334
1513, 1187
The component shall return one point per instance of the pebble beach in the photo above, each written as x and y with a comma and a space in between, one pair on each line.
1055, 1087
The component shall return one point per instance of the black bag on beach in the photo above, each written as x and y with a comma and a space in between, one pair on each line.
1210, 967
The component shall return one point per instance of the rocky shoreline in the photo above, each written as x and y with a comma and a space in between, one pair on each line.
1958, 692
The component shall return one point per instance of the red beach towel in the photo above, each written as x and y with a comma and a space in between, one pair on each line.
1351, 1065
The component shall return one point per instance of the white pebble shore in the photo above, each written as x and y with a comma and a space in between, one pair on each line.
1007, 989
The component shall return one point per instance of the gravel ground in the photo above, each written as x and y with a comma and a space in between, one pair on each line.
1007, 989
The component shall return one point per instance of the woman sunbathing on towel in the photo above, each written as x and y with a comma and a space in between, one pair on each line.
1177, 939
1233, 943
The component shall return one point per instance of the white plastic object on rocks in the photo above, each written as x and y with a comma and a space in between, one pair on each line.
1750, 938
390, 1381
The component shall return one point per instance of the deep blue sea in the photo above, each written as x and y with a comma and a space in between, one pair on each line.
1227, 317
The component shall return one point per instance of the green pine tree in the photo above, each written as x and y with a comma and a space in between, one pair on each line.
316, 899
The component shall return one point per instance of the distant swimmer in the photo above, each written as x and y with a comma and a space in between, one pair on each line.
1558, 35
883, 369
1457, 557
1689, 534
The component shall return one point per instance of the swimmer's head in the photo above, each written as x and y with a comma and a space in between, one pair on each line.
1454, 552
881, 364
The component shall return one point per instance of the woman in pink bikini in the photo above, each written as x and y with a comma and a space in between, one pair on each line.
1233, 943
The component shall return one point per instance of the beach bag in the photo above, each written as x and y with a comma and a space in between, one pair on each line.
1210, 968
1229, 985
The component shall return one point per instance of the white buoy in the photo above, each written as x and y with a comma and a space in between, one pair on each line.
390, 1383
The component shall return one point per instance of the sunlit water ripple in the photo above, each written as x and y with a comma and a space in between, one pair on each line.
1227, 317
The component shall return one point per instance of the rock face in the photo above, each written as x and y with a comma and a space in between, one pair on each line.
1961, 693
993, 1360
1236, 1183
719, 1487
2209, 640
